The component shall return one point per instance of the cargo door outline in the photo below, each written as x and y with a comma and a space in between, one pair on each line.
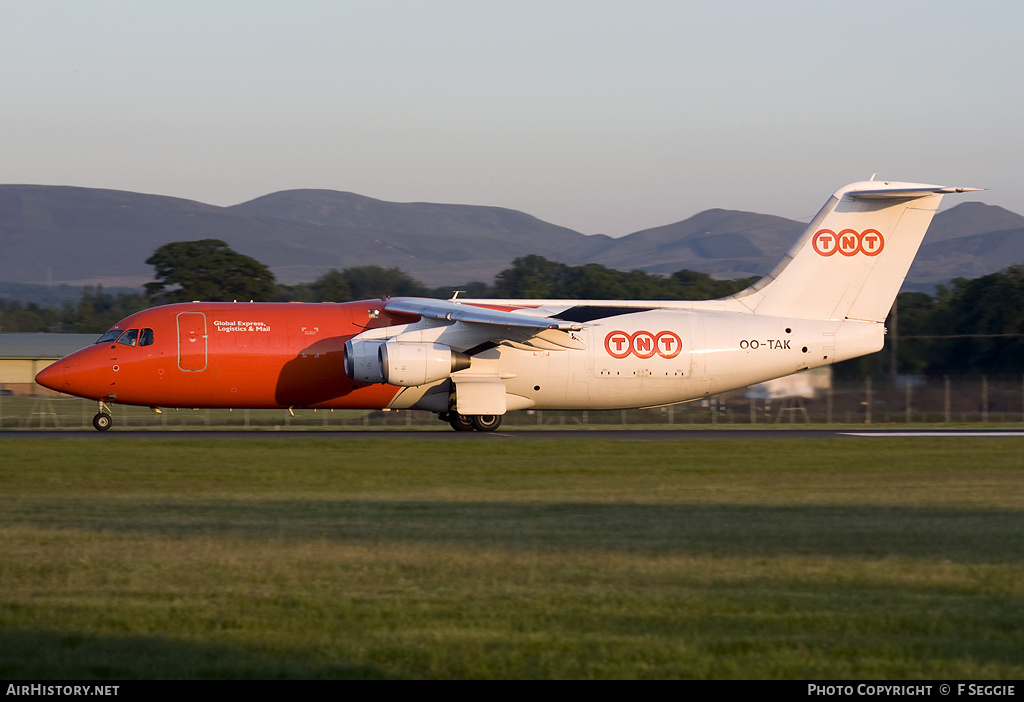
192, 342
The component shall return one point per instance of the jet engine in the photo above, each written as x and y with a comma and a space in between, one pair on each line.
401, 363
362, 360
410, 364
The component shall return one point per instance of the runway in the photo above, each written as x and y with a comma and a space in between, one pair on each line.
447, 435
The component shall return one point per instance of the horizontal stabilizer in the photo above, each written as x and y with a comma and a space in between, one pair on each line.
906, 193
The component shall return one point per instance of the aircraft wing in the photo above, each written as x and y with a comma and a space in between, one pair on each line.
484, 324
456, 312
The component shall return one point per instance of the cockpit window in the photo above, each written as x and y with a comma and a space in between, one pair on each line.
129, 338
145, 337
110, 336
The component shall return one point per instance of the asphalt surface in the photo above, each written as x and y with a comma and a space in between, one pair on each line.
448, 435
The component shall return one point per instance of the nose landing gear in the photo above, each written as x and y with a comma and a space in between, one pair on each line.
103, 421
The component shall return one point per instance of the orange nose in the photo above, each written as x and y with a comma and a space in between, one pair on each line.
52, 376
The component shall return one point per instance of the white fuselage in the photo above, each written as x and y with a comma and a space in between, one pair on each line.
652, 357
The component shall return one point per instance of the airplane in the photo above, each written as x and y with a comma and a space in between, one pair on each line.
471, 361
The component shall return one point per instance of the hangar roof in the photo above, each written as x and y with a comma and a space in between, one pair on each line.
43, 345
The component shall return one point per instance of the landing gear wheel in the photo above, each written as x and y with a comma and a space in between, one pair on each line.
460, 422
486, 422
102, 421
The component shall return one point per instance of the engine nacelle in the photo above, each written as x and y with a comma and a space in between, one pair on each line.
410, 364
362, 360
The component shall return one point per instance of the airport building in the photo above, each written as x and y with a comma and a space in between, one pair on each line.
24, 355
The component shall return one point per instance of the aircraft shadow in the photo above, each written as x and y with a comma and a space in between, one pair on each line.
316, 374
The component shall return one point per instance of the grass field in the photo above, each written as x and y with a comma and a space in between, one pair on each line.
494, 557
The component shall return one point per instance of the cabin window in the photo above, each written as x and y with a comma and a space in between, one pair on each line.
110, 336
145, 337
129, 338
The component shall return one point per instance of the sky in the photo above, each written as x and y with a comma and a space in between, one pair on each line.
605, 117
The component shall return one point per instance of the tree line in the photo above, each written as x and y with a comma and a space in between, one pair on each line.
209, 270
968, 326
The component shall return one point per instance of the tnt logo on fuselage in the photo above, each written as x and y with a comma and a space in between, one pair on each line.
643, 344
848, 242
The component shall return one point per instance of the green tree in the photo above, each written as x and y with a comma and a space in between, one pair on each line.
691, 285
207, 270
468, 290
531, 276
84, 316
331, 287
594, 281
97, 311
301, 292
983, 322
536, 277
911, 324
366, 282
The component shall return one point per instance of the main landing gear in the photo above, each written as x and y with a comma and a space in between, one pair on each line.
472, 422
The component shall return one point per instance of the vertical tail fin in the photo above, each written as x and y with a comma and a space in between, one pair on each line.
853, 256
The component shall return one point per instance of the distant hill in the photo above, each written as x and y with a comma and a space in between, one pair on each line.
76, 236
437, 244
725, 243
969, 219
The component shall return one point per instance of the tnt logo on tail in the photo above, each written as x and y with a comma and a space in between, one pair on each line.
848, 242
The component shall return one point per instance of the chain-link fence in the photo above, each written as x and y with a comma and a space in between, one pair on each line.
937, 401
909, 400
